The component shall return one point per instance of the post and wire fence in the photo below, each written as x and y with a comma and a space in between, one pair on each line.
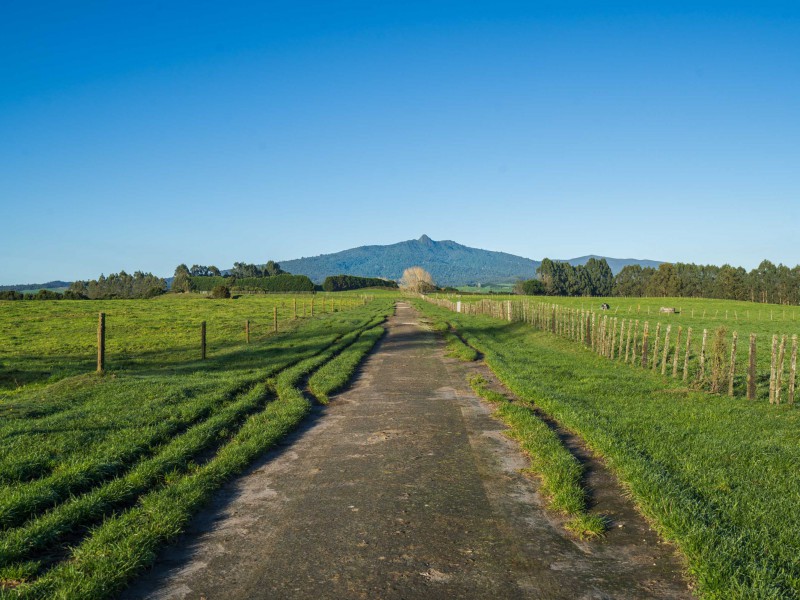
713, 368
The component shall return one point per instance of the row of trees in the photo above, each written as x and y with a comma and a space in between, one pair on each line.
777, 284
562, 279
182, 279
340, 283
118, 285
40, 295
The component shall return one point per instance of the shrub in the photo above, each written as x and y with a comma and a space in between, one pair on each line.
340, 283
276, 283
530, 287
221, 291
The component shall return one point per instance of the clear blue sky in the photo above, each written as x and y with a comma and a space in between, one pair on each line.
139, 135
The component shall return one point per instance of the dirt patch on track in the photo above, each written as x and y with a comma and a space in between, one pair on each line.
404, 487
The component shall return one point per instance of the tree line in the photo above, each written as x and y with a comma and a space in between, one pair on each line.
770, 283
245, 277
117, 286
43, 294
775, 284
340, 283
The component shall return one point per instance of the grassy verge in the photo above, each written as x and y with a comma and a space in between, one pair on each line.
335, 374
716, 475
559, 470
456, 348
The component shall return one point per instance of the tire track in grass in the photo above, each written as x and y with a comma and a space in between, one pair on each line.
561, 472
126, 543
335, 374
25, 501
20, 543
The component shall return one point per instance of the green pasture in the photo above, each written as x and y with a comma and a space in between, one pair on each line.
42, 342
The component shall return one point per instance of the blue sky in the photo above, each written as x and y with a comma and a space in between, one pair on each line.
142, 135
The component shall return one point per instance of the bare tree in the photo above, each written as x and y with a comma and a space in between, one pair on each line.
417, 279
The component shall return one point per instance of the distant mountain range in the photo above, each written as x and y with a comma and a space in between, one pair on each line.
448, 262
50, 285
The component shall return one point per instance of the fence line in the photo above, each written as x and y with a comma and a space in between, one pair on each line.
331, 307
620, 339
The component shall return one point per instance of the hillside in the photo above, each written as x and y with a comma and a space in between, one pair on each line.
57, 286
450, 263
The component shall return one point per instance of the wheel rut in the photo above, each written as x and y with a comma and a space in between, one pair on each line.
403, 487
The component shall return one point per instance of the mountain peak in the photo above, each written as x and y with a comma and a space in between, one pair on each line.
448, 262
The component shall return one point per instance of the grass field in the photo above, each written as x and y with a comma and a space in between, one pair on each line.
46, 341
98, 471
717, 475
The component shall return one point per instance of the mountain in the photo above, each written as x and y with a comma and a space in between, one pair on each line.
448, 262
616, 264
50, 285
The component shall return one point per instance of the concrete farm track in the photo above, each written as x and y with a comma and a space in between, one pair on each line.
406, 487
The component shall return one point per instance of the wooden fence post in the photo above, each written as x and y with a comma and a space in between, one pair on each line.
275, 318
655, 346
601, 335
312, 306
587, 330
628, 340
247, 330
294, 314
732, 371
621, 338
702, 374
203, 340
101, 342
793, 369
666, 351
781, 363
773, 368
635, 342
645, 343
613, 340
677, 353
686, 355
751, 369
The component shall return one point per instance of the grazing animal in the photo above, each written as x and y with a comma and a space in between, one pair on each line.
604, 306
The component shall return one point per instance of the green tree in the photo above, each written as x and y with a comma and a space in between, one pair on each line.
272, 268
181, 280
600, 278
529, 287
664, 282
